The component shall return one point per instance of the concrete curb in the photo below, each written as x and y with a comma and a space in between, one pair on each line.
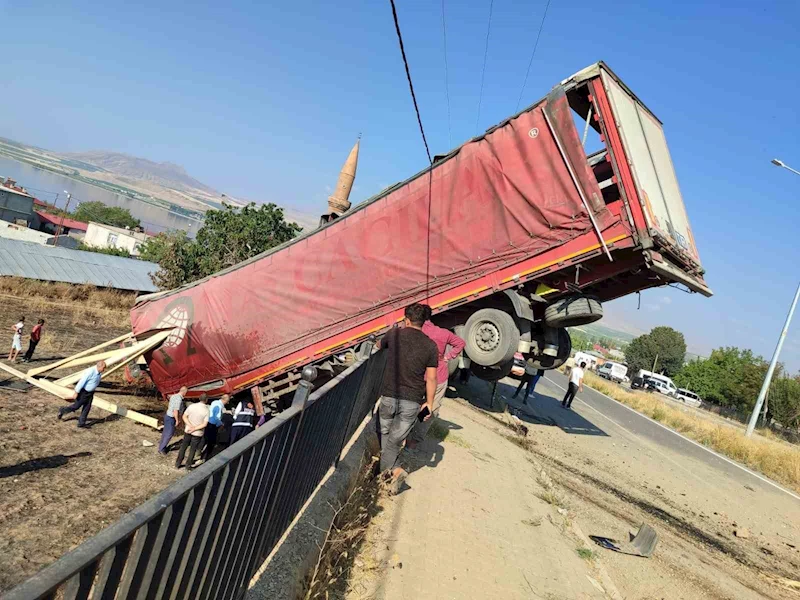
282, 575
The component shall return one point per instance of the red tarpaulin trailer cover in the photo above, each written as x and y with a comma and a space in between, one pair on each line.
497, 200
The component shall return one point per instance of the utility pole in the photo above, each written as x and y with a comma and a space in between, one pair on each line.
655, 362
60, 227
765, 387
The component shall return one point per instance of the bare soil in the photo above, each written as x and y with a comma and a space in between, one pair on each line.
59, 485
614, 480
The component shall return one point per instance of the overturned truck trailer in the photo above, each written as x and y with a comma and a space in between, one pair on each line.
511, 238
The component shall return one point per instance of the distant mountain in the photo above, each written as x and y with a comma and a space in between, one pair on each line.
167, 174
164, 183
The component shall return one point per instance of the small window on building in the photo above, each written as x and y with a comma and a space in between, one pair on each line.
112, 240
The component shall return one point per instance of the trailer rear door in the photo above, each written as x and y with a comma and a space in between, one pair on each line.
646, 149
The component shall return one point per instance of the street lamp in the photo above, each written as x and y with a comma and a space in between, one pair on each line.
60, 227
773, 363
780, 163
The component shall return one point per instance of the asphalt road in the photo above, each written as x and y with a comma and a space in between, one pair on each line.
594, 413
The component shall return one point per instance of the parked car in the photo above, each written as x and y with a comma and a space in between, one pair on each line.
663, 387
518, 370
612, 371
688, 397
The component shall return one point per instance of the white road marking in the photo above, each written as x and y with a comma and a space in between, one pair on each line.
699, 445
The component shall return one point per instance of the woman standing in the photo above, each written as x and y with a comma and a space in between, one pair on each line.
16, 342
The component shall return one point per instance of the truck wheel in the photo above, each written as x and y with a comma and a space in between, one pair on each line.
573, 311
495, 373
492, 337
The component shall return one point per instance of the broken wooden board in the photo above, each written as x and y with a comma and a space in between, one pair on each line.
91, 350
121, 357
66, 394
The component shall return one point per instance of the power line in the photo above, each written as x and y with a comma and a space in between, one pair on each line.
408, 76
533, 53
427, 150
483, 71
446, 82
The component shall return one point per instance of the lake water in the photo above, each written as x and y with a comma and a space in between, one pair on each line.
49, 187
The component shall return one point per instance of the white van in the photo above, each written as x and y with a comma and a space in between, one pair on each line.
663, 384
612, 371
591, 361
687, 397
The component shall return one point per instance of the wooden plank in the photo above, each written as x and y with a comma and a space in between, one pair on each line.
57, 364
124, 356
92, 358
98, 401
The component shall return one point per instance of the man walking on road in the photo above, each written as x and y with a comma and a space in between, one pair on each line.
195, 419
36, 335
171, 419
84, 393
575, 385
443, 338
409, 387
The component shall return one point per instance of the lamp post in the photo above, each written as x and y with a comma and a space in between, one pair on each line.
60, 227
773, 363
780, 163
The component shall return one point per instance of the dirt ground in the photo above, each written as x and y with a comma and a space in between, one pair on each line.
59, 485
614, 480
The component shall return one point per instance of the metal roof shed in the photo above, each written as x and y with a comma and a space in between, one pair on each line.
47, 263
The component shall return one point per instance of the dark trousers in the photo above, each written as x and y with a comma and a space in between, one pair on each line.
529, 381
239, 431
166, 433
570, 395
84, 402
193, 443
31, 348
210, 438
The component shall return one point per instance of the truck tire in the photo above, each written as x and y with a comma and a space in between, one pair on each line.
573, 311
492, 337
495, 373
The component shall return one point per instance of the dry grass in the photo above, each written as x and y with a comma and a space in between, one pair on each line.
86, 303
764, 453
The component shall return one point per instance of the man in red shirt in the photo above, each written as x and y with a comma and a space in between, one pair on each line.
36, 335
449, 346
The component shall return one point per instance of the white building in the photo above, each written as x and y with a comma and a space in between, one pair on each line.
106, 236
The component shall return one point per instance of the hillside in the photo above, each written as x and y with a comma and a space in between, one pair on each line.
163, 183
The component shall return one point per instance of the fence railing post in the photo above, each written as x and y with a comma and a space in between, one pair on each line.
367, 349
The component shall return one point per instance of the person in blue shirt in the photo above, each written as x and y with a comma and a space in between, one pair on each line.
217, 409
84, 393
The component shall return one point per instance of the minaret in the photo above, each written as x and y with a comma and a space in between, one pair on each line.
339, 202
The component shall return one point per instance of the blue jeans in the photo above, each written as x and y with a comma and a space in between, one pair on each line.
166, 433
397, 418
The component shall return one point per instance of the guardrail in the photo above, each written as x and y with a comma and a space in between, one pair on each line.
206, 535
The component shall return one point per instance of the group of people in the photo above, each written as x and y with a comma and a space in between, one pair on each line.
202, 421
16, 340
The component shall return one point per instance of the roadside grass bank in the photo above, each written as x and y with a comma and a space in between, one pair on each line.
773, 458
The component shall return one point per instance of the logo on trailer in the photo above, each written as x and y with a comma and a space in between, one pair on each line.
534, 133
177, 315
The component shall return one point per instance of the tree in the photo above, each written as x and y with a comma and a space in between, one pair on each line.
112, 251
730, 377
784, 401
107, 215
662, 342
228, 237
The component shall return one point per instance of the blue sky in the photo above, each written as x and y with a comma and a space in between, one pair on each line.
264, 102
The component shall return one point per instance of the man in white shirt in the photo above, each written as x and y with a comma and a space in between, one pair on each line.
84, 393
195, 419
575, 385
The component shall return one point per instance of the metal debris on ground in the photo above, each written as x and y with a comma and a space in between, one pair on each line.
642, 544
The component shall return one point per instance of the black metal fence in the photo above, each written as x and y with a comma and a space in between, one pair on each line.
206, 535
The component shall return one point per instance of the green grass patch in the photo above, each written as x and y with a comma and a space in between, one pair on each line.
585, 554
